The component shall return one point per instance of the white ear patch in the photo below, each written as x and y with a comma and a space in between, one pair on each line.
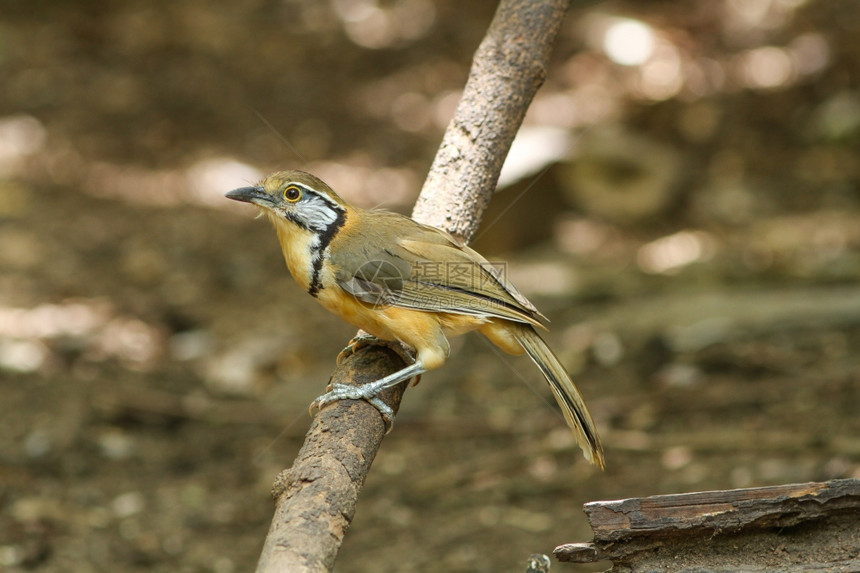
318, 213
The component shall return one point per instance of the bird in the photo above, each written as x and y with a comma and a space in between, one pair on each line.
404, 282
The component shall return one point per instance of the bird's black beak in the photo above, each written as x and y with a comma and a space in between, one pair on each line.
256, 195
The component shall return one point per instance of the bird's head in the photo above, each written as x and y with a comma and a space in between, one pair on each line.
295, 197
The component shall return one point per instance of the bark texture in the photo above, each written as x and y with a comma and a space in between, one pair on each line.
785, 528
509, 67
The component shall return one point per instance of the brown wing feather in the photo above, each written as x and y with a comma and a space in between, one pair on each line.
420, 267
467, 269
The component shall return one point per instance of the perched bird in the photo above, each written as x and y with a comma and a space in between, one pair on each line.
399, 280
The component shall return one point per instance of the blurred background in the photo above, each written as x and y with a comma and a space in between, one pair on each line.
683, 203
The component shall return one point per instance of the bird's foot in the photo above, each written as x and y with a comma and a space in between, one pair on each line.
363, 339
358, 341
368, 392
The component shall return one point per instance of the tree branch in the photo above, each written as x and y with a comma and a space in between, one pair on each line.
508, 68
315, 500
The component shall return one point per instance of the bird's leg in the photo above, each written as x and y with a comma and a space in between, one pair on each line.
370, 392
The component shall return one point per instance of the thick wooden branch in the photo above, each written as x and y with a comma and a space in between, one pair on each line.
315, 500
788, 528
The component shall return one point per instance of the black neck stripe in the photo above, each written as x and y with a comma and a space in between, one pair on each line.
317, 251
298, 222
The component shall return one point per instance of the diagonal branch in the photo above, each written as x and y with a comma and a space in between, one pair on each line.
315, 499
508, 68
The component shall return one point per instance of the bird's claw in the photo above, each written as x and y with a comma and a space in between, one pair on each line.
359, 340
363, 339
337, 392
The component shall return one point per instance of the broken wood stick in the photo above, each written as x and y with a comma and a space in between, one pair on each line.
797, 527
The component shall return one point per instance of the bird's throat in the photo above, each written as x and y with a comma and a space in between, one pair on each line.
299, 247
305, 250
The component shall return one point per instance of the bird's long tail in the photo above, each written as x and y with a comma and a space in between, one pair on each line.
569, 399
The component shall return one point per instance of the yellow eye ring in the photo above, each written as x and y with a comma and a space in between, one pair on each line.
292, 194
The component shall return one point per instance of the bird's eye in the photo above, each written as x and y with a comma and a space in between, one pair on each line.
292, 193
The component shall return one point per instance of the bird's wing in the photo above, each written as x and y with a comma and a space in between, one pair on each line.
423, 268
